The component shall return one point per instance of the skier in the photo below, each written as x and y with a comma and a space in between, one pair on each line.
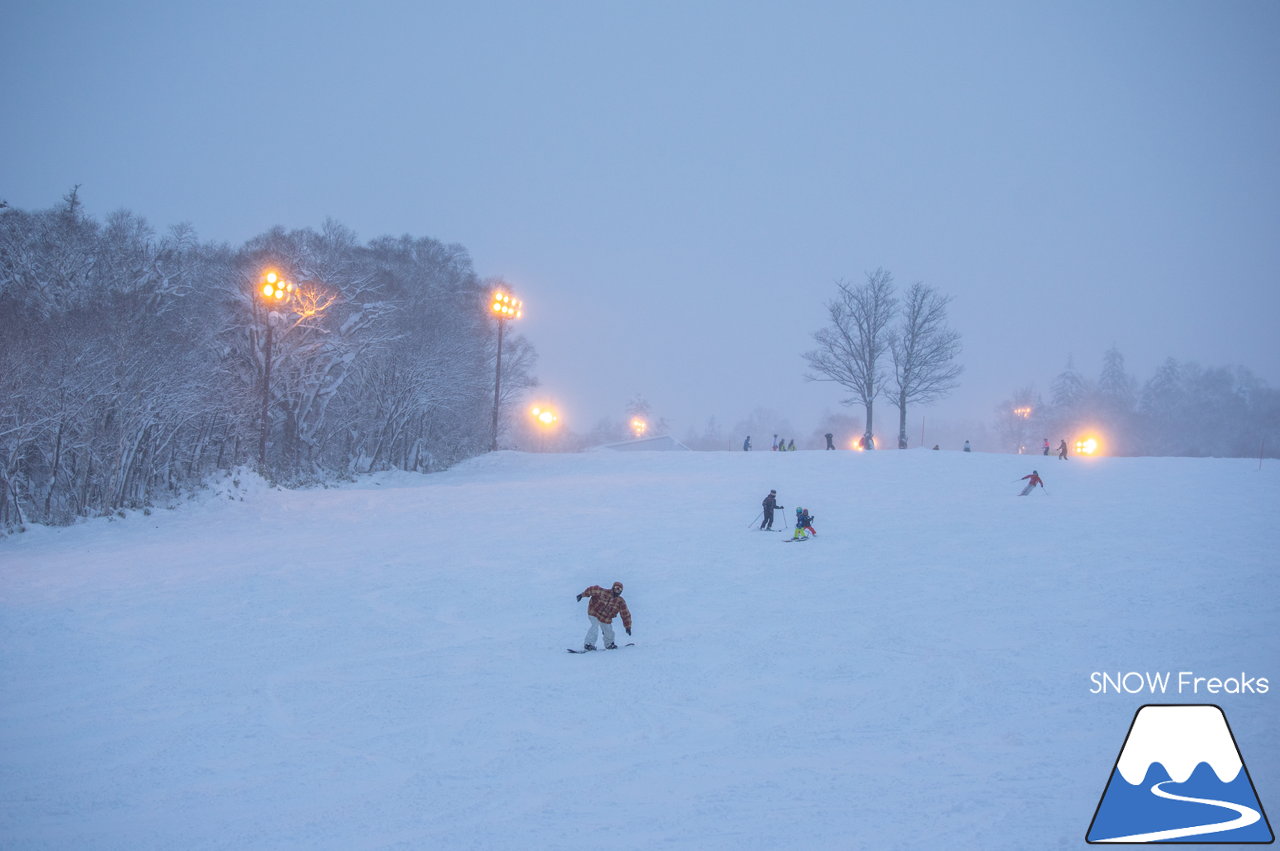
600, 611
1062, 450
1046, 446
804, 520
791, 445
868, 443
808, 522
746, 445
966, 447
830, 445
770, 503
775, 443
1031, 485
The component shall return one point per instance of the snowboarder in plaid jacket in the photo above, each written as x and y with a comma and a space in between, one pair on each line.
600, 611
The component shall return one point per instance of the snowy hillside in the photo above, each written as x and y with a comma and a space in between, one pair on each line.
383, 665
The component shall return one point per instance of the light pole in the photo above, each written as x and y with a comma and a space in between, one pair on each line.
274, 290
504, 307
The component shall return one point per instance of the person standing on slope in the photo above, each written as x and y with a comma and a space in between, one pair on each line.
1031, 485
1062, 450
808, 519
601, 610
746, 444
804, 520
770, 503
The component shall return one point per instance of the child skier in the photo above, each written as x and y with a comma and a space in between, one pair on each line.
600, 611
1031, 485
804, 521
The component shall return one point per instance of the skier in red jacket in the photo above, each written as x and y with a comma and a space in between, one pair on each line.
603, 606
1031, 485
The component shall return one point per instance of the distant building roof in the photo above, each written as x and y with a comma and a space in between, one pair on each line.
662, 443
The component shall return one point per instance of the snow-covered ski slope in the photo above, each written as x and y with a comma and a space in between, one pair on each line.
382, 665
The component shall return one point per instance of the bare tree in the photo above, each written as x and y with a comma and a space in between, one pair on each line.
851, 349
924, 350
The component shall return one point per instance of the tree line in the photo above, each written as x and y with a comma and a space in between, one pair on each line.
1183, 409
132, 366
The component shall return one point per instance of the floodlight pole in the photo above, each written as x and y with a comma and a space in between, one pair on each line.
504, 307
497, 386
266, 397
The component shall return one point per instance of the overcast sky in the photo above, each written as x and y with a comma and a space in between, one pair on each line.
675, 187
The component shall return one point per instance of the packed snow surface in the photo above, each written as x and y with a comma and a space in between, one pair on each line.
383, 665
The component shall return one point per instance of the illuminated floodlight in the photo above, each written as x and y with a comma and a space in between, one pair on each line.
275, 287
506, 306
1087, 446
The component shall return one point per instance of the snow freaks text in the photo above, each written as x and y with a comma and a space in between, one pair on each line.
1168, 682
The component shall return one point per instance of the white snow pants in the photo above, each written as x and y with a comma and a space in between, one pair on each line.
596, 626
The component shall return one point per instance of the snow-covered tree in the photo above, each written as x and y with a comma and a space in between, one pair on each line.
851, 349
924, 349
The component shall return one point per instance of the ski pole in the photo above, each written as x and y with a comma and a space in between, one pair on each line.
753, 522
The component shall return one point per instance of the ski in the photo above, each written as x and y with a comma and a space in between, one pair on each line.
794, 540
619, 647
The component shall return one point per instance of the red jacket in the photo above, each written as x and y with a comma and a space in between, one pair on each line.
604, 606
1035, 480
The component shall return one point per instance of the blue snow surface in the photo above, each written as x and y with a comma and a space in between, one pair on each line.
381, 665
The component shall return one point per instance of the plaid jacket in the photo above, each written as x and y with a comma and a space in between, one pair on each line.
604, 606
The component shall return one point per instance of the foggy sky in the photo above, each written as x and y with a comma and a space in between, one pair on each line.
675, 188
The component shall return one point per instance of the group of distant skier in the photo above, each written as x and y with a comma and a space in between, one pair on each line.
784, 445
605, 604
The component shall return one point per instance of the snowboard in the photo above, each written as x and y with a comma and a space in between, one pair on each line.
619, 647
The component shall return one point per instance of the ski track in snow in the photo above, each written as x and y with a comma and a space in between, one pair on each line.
1245, 817
382, 665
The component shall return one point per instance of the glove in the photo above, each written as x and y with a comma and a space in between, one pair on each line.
579, 598
628, 630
